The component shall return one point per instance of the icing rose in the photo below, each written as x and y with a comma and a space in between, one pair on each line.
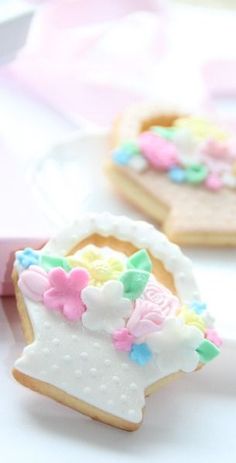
161, 153
122, 340
175, 346
64, 293
216, 166
162, 297
33, 283
106, 307
216, 149
145, 319
154, 305
100, 268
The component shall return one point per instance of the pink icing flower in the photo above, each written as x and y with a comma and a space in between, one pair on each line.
33, 282
123, 340
213, 182
160, 153
155, 304
213, 336
217, 149
65, 292
216, 167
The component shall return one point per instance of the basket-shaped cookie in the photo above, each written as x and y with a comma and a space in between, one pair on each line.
180, 170
110, 311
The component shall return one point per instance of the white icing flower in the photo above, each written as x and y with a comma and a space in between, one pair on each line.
186, 143
138, 163
106, 307
175, 346
208, 319
229, 180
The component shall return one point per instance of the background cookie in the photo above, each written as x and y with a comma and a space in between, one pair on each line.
186, 181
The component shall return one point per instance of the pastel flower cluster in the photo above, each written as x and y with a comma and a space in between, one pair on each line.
57, 289
141, 316
193, 151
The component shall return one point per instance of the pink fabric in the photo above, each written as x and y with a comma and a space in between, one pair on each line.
62, 13
64, 293
17, 231
95, 59
220, 77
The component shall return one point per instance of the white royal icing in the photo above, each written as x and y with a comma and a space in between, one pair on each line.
84, 363
106, 307
176, 345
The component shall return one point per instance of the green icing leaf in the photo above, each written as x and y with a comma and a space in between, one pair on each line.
165, 132
140, 260
50, 262
130, 148
196, 173
134, 282
207, 351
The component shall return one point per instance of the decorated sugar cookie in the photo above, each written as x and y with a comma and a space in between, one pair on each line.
180, 170
110, 312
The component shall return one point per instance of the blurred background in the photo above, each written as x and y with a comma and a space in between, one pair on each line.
69, 65
67, 68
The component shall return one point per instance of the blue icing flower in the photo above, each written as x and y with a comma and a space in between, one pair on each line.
198, 307
140, 353
121, 157
27, 257
177, 174
125, 152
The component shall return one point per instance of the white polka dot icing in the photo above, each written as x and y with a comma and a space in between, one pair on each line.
79, 361
82, 372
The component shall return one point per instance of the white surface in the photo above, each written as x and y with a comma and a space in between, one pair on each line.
191, 420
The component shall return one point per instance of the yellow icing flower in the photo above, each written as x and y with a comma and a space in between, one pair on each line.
101, 268
191, 318
201, 128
